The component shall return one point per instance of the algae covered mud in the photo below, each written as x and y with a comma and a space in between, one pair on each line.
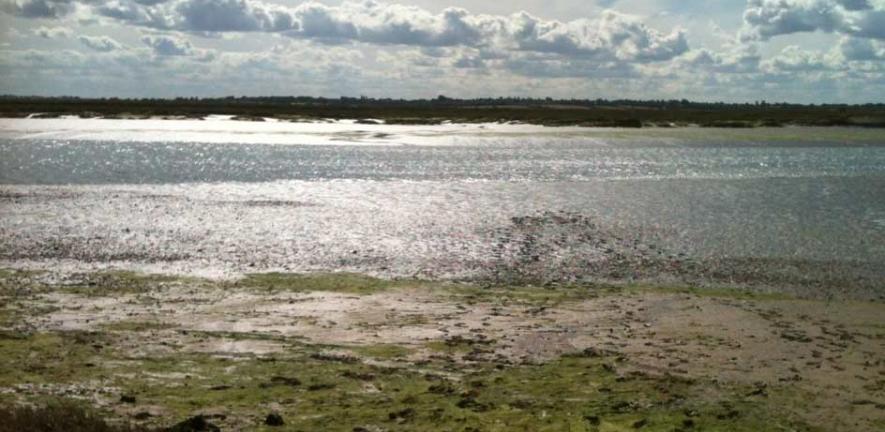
216, 274
351, 353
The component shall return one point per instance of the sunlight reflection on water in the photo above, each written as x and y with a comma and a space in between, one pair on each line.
543, 203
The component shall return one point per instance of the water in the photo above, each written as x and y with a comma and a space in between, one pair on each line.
796, 207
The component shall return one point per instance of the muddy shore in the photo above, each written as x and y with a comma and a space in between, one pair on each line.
349, 352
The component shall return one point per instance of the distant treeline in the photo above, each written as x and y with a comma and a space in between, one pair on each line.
546, 111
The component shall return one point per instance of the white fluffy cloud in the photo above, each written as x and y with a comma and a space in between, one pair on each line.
219, 47
795, 59
100, 43
742, 59
856, 49
38, 8
168, 45
611, 36
53, 32
768, 18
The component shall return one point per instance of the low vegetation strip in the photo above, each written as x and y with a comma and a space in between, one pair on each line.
591, 113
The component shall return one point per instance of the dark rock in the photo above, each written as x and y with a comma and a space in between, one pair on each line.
472, 404
358, 376
339, 358
127, 399
624, 407
274, 419
281, 381
321, 386
760, 390
441, 389
592, 419
522, 404
402, 415
730, 415
194, 424
590, 353
144, 415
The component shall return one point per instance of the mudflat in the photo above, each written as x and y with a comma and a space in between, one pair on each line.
349, 352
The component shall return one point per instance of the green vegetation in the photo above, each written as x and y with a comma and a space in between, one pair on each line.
448, 384
311, 391
137, 326
731, 293
383, 351
102, 284
623, 113
15, 282
57, 415
50, 358
532, 295
332, 282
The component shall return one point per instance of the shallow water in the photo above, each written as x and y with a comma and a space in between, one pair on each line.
784, 206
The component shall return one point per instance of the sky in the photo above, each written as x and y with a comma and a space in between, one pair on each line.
805, 51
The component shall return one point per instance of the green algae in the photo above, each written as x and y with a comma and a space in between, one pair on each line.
54, 358
583, 392
110, 283
383, 351
532, 295
137, 326
347, 283
375, 387
15, 283
717, 292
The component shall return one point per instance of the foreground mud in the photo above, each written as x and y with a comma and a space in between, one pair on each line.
347, 352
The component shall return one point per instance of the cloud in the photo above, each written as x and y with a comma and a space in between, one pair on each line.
607, 37
397, 50
293, 68
223, 15
53, 32
855, 5
534, 67
740, 59
795, 59
38, 8
764, 19
613, 36
856, 49
168, 46
100, 43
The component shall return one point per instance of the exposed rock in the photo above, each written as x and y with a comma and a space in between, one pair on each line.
274, 419
195, 424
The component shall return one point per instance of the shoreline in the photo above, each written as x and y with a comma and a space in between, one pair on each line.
618, 114
442, 121
348, 351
